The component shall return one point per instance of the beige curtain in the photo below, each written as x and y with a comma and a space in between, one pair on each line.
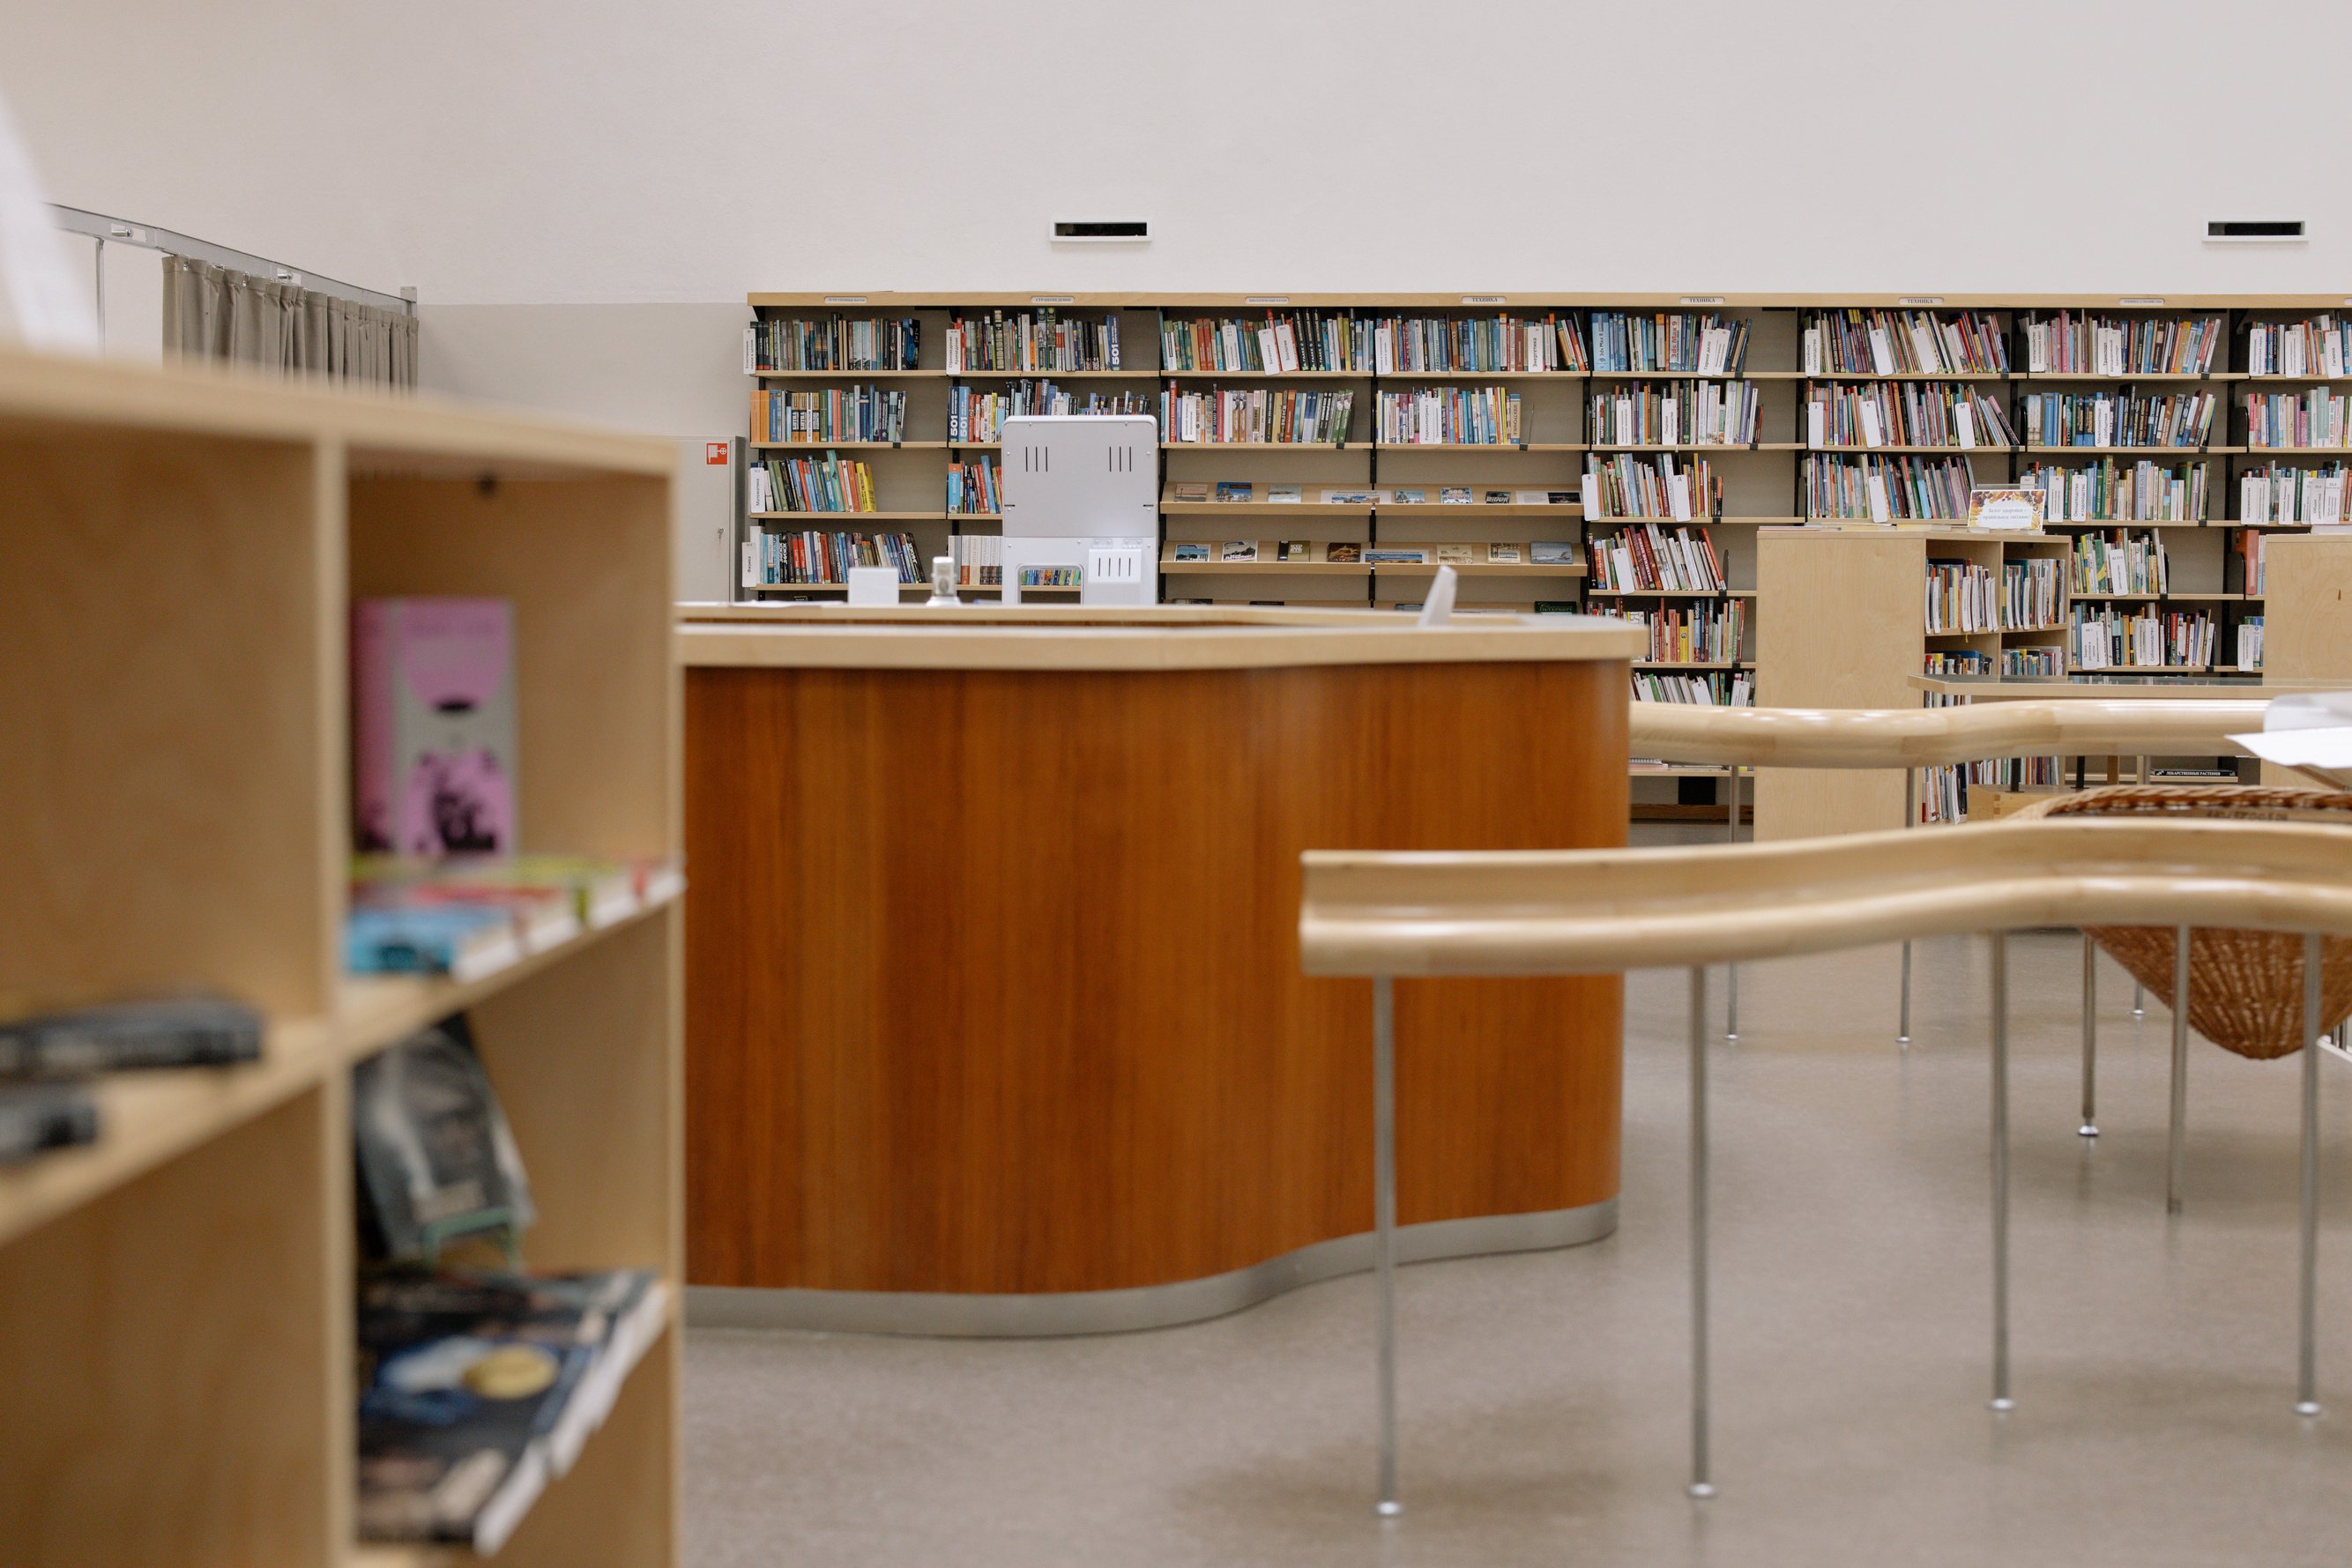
214, 313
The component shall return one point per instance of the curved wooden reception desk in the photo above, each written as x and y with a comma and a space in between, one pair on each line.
995, 1018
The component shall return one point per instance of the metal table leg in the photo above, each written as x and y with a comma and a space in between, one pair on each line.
1731, 971
2090, 1127
1384, 1227
2176, 1152
2001, 1399
1910, 819
2308, 1380
1702, 1484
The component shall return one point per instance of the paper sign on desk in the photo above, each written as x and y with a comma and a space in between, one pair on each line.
2309, 731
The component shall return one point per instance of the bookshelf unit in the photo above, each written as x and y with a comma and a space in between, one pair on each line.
176, 1300
1763, 482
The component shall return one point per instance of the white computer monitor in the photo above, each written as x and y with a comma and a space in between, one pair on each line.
1075, 483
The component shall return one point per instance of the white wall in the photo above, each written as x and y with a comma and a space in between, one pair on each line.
623, 152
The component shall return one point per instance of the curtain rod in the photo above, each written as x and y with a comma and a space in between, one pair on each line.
108, 231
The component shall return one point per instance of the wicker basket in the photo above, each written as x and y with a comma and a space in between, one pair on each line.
2245, 987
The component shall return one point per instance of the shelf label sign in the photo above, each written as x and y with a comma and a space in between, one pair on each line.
2014, 509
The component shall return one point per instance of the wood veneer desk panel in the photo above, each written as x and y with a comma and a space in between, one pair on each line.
994, 980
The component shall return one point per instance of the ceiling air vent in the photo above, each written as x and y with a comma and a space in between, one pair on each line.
1128, 229
2273, 230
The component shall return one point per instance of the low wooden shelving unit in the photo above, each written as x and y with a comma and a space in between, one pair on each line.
177, 559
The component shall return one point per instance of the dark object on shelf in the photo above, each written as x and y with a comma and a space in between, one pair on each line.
2245, 987
38, 1116
435, 1159
196, 1031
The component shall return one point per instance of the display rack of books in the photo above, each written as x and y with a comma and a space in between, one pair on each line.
182, 1320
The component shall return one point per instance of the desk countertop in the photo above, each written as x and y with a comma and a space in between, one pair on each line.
2119, 684
1162, 637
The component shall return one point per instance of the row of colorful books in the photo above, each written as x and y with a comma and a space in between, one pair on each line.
1681, 341
2111, 636
1629, 486
1963, 597
1258, 417
779, 558
1906, 414
2278, 494
2314, 418
470, 916
1450, 416
2250, 643
978, 559
835, 414
1474, 345
825, 483
1647, 557
2072, 344
1903, 342
974, 415
1884, 489
2032, 661
2252, 558
1309, 340
972, 487
1192, 492
1688, 635
1025, 342
2101, 492
1720, 688
1182, 553
2320, 346
836, 343
2118, 418
49, 1061
1706, 414
2120, 563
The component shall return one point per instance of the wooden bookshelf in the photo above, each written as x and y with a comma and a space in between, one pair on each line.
176, 1300
1762, 487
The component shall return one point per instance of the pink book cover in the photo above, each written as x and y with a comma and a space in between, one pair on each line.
433, 716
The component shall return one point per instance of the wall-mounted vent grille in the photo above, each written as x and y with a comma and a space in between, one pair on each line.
1102, 228
2271, 229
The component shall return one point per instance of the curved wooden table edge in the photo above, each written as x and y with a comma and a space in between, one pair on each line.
1601, 911
1927, 737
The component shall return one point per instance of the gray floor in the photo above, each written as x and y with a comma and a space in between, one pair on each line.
1544, 1397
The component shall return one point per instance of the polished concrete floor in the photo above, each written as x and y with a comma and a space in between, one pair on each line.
1545, 1396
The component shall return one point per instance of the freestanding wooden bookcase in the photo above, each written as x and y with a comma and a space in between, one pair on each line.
178, 549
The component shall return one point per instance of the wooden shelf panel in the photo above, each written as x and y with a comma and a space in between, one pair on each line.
2127, 450
1172, 566
1476, 568
1481, 446
1265, 509
146, 1118
818, 447
917, 375
1284, 446
820, 519
1985, 449
1597, 592
1264, 375
1465, 510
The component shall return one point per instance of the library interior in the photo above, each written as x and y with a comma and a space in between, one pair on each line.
1241, 812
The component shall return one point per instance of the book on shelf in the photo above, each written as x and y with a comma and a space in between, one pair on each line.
835, 343
1188, 491
470, 915
1553, 552
1905, 413
1834, 487
2074, 344
1050, 577
2250, 643
1260, 417
1299, 340
980, 559
2313, 417
1964, 597
1450, 416
1651, 558
1688, 634
2144, 491
972, 487
2118, 418
1625, 485
1304, 550
781, 559
1237, 550
1396, 555
433, 725
477, 1387
826, 483
2277, 493
1440, 345
1285, 496
1682, 342
1026, 341
1706, 414
1343, 552
2120, 563
140, 1034
1714, 688
2253, 556
829, 414
1903, 342
1454, 494
977, 415
2108, 636
2317, 346
1236, 490
38, 1116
